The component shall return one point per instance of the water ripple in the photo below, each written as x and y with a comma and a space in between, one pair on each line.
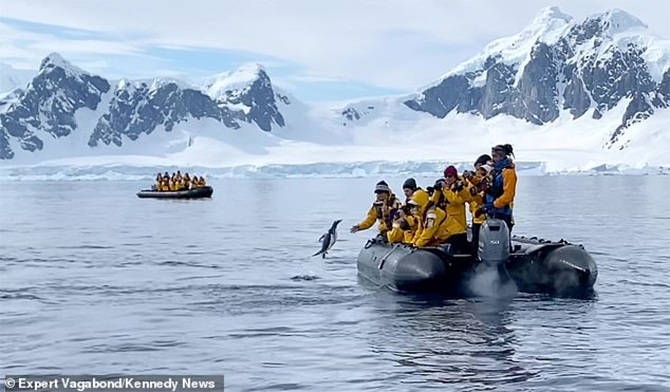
95, 278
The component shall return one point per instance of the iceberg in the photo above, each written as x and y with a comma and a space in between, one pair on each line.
374, 169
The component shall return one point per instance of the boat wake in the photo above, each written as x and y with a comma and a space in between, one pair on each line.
489, 281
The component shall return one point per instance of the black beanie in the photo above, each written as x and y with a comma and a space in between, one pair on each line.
483, 159
409, 183
382, 186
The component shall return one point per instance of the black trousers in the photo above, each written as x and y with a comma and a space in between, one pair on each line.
508, 222
459, 243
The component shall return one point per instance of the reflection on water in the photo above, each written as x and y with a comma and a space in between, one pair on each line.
444, 341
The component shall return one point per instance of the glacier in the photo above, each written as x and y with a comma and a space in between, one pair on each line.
430, 170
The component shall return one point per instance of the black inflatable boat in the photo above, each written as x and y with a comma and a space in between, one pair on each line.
539, 265
535, 265
193, 193
407, 269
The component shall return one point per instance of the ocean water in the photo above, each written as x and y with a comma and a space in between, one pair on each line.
94, 280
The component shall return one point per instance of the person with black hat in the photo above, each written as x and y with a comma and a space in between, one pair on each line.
382, 210
405, 224
409, 187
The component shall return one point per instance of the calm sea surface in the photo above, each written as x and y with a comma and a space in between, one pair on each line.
94, 280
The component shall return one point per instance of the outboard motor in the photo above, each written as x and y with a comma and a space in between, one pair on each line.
491, 277
494, 242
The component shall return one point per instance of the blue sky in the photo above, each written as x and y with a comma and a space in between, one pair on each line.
189, 63
325, 50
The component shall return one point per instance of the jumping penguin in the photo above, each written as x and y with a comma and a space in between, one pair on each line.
328, 240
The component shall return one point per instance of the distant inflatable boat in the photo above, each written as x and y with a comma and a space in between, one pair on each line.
535, 265
194, 193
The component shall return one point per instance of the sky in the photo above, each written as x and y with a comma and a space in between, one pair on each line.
323, 50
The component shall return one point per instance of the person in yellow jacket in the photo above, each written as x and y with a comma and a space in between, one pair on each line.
404, 227
432, 228
409, 187
187, 181
452, 195
159, 179
476, 200
404, 223
437, 197
408, 219
382, 210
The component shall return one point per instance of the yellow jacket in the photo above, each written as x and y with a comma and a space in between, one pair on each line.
399, 234
455, 208
475, 202
509, 189
381, 214
432, 230
438, 199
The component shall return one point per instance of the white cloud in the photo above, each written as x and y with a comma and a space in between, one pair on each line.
400, 44
29, 48
311, 78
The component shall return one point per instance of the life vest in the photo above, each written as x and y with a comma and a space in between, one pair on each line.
498, 188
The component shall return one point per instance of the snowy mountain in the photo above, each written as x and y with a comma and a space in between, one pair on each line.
571, 93
557, 64
250, 90
48, 104
63, 99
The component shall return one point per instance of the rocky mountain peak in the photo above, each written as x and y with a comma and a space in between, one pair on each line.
549, 16
132, 108
220, 86
250, 90
56, 61
555, 65
615, 21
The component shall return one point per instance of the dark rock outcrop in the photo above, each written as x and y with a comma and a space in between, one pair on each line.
585, 68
